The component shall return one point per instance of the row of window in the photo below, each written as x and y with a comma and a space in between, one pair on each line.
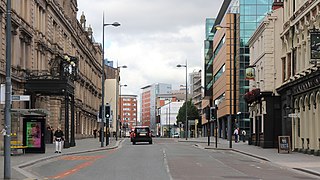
129, 99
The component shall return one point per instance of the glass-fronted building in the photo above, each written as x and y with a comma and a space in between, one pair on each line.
208, 56
252, 13
249, 14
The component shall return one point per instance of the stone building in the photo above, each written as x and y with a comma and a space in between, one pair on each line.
263, 99
43, 33
300, 91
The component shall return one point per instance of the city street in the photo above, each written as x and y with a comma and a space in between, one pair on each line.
164, 159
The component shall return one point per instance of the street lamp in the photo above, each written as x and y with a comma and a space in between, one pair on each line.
115, 24
120, 111
218, 27
186, 121
118, 116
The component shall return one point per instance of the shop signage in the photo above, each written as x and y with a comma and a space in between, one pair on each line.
284, 144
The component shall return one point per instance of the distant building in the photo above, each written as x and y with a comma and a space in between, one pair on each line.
148, 102
128, 111
168, 118
196, 89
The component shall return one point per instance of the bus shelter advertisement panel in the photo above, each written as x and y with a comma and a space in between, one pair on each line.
33, 134
33, 131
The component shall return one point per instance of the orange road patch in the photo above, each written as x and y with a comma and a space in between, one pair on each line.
72, 171
90, 160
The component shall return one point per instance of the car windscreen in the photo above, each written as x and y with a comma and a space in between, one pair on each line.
142, 130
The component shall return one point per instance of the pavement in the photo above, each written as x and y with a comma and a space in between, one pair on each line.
297, 161
306, 163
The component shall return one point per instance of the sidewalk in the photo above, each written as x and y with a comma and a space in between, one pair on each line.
20, 161
294, 160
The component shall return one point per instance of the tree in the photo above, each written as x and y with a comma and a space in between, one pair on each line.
192, 112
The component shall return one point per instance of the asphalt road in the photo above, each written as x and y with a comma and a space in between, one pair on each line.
165, 159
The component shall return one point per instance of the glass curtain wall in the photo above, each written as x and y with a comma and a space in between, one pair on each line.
252, 13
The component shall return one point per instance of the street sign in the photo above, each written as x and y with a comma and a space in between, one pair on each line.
20, 97
294, 115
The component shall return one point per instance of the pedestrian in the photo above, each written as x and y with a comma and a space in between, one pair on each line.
236, 134
244, 133
58, 137
95, 133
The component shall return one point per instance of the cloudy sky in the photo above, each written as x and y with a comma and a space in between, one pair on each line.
154, 36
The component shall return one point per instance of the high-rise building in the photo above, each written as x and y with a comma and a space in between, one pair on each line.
148, 103
128, 111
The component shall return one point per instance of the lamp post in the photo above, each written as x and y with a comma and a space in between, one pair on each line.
115, 24
169, 121
186, 121
218, 27
118, 83
120, 108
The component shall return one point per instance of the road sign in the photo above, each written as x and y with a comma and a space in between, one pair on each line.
294, 115
20, 97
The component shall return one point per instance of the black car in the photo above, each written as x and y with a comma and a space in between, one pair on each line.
141, 134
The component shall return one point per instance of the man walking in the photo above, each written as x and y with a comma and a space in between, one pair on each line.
236, 134
58, 136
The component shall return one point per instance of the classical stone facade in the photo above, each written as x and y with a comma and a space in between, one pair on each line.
263, 99
300, 92
43, 31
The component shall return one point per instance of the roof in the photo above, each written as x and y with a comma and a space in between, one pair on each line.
30, 112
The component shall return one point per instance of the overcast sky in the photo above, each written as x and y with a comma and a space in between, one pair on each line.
154, 36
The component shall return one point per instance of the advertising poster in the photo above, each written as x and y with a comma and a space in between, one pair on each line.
33, 134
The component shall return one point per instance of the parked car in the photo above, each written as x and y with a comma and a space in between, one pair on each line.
141, 134
176, 135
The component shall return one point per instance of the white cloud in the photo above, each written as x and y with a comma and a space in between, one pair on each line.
153, 38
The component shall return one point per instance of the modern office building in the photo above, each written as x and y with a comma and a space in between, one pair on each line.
237, 20
196, 88
148, 103
208, 74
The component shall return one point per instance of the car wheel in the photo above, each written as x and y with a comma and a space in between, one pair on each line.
150, 142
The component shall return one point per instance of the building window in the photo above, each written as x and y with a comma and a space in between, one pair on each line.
289, 66
283, 69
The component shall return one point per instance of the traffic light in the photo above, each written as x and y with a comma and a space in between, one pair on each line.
213, 112
107, 111
207, 112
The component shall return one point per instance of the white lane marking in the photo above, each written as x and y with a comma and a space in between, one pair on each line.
166, 163
199, 164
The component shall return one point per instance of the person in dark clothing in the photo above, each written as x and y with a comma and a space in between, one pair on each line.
95, 133
58, 136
